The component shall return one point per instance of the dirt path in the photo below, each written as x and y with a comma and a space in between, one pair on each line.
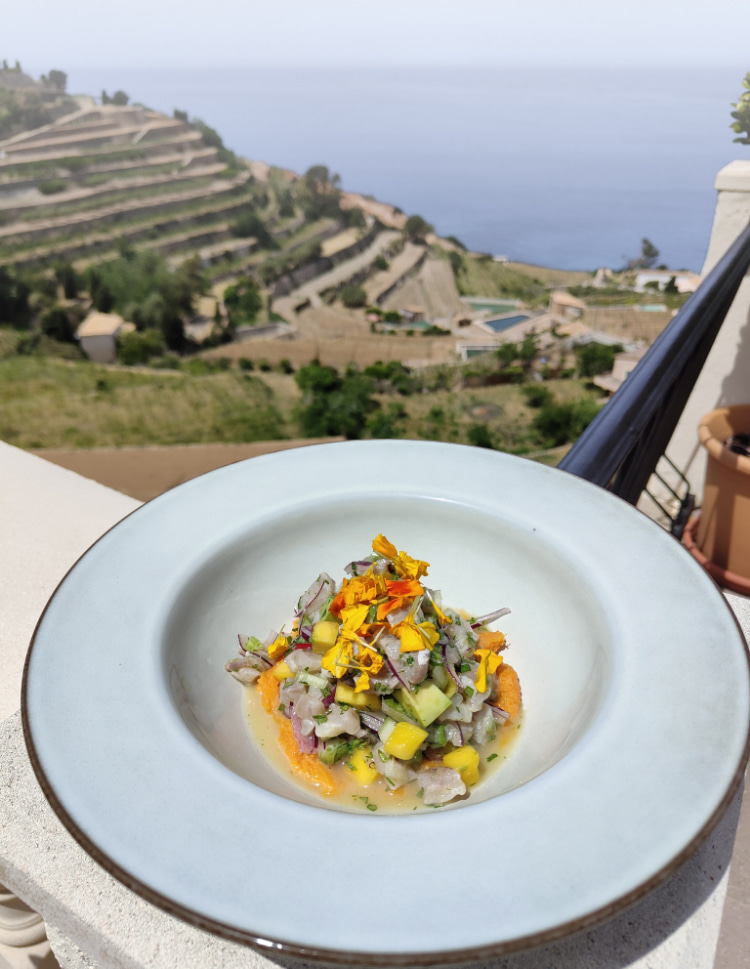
144, 473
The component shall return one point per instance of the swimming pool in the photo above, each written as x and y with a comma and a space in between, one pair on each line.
505, 322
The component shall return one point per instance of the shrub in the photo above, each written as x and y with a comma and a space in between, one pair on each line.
243, 301
52, 186
353, 296
170, 361
248, 225
245, 363
139, 346
416, 228
381, 263
332, 404
285, 366
479, 435
557, 424
355, 217
596, 358
56, 323
456, 261
384, 424
537, 395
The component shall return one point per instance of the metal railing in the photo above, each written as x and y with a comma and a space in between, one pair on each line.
621, 447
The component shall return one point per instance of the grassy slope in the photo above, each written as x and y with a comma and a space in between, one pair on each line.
52, 403
502, 408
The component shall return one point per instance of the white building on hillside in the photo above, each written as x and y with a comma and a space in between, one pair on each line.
98, 335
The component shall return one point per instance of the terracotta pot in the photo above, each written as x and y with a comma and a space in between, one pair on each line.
723, 577
723, 533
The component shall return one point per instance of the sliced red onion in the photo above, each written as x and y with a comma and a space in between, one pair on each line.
311, 600
362, 566
306, 744
460, 732
303, 645
371, 719
392, 668
328, 700
449, 667
242, 640
490, 617
502, 715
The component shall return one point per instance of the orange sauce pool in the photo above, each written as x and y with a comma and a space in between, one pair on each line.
337, 785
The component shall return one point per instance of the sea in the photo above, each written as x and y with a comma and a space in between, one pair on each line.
569, 168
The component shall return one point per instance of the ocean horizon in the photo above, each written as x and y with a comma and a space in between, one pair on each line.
568, 168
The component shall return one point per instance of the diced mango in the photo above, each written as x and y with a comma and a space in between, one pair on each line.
324, 636
362, 701
404, 741
281, 671
466, 761
360, 763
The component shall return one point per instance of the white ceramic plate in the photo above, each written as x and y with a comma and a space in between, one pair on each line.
634, 674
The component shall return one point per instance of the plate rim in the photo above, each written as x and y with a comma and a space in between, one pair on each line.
269, 944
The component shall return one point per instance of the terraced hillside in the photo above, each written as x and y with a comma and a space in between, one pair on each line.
105, 182
102, 173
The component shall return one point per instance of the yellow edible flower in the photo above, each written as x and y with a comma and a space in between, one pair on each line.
362, 588
342, 657
415, 636
368, 661
405, 565
354, 616
338, 658
488, 664
279, 646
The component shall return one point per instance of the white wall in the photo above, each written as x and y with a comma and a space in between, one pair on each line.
725, 378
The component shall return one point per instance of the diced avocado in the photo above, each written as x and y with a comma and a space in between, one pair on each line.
394, 710
425, 704
387, 729
324, 636
361, 701
444, 680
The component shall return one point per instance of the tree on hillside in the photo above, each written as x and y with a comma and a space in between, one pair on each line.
120, 98
243, 301
332, 404
58, 79
741, 115
14, 300
647, 259
416, 228
250, 225
56, 323
321, 195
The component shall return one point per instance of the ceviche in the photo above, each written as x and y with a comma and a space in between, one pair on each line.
380, 688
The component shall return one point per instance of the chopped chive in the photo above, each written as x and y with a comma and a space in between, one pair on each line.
468, 691
420, 792
491, 757
372, 807
465, 667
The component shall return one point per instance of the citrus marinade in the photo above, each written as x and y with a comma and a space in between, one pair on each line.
379, 695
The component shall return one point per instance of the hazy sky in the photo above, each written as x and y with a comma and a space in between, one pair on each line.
247, 33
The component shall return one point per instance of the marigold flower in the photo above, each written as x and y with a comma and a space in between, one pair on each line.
488, 664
